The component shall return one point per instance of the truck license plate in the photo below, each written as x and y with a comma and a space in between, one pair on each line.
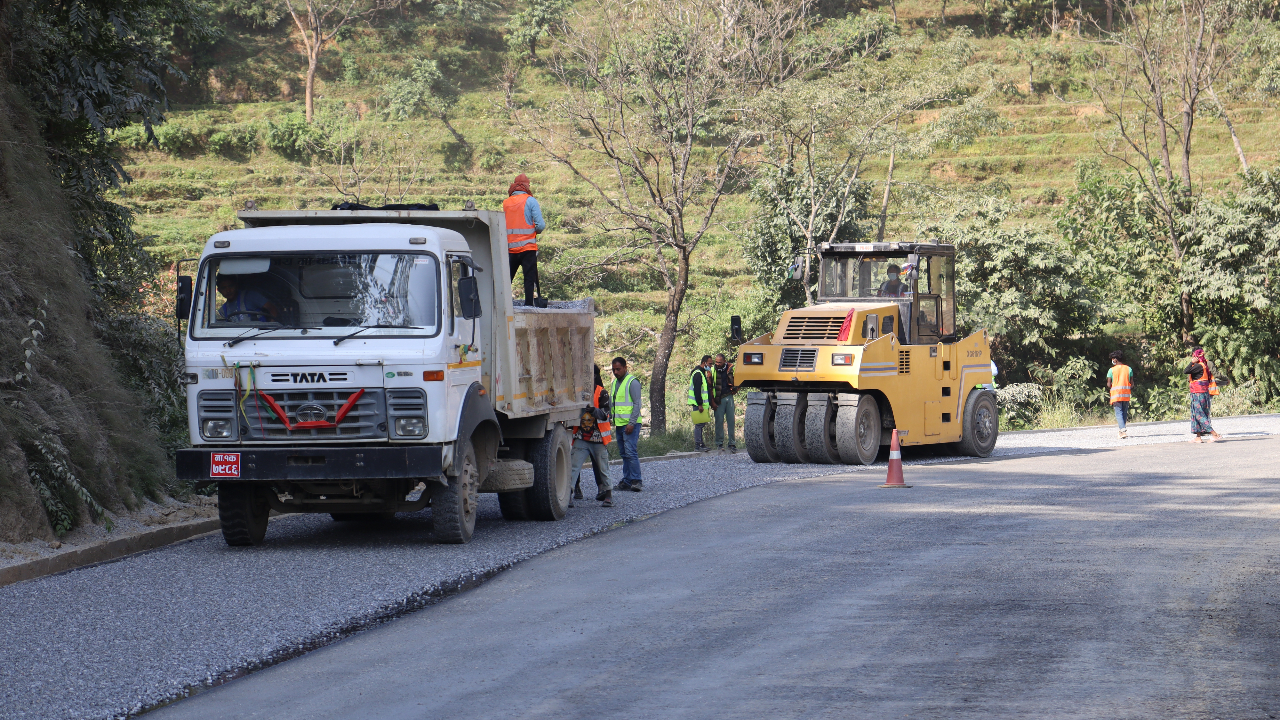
224, 465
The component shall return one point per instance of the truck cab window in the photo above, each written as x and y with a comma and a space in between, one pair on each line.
457, 271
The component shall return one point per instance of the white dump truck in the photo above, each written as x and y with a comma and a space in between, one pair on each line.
367, 362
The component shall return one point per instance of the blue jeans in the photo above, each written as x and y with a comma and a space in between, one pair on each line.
1122, 413
628, 446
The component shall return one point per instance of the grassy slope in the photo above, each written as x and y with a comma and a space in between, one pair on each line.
181, 200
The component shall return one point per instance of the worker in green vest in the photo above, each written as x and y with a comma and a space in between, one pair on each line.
624, 397
700, 401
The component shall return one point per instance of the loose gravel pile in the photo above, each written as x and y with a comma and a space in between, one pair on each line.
114, 639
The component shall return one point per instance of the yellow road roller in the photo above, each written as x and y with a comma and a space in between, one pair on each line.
877, 352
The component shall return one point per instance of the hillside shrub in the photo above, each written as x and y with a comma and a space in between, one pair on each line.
292, 137
234, 141
176, 139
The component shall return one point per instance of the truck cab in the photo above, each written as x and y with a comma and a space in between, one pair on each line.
363, 363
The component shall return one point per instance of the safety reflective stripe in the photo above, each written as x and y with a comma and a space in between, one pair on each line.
693, 402
622, 407
1121, 384
521, 235
895, 454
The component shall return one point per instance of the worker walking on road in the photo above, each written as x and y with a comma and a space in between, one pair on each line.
722, 390
524, 222
624, 397
1204, 380
700, 401
591, 440
1120, 385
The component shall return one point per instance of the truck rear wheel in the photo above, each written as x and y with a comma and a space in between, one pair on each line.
762, 446
243, 510
513, 505
820, 430
981, 424
548, 499
453, 506
858, 431
788, 423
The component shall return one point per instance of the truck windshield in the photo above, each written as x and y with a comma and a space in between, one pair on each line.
390, 293
864, 277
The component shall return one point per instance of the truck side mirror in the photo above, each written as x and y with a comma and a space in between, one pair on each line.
914, 261
469, 297
797, 269
182, 309
735, 330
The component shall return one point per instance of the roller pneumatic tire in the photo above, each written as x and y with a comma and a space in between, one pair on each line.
762, 446
551, 456
453, 506
981, 426
514, 505
820, 431
243, 510
788, 423
858, 431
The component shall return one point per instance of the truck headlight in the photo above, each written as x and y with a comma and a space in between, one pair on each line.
842, 359
216, 429
411, 427
753, 358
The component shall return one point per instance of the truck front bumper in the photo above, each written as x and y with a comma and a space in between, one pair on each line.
310, 463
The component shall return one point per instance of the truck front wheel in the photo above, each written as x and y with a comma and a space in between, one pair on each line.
548, 499
453, 506
858, 431
243, 510
981, 424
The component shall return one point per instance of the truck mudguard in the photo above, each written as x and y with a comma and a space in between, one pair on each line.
477, 411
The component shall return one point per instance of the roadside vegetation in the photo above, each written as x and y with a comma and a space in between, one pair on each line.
687, 152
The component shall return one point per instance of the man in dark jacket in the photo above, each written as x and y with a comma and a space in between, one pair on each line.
722, 390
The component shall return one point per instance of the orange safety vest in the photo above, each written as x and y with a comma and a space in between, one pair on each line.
606, 430
520, 234
1121, 384
1206, 383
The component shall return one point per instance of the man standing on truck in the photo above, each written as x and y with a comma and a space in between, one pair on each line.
591, 440
524, 222
700, 401
722, 390
624, 397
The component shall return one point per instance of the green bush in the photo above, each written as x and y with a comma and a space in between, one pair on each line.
133, 137
176, 139
234, 140
293, 137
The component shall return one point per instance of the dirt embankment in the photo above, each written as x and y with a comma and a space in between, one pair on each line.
70, 433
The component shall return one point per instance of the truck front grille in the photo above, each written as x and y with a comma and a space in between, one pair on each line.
801, 327
367, 420
799, 359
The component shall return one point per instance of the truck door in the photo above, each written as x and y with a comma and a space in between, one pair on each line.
464, 339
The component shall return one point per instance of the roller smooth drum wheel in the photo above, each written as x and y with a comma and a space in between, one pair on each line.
858, 431
788, 423
820, 431
762, 446
981, 424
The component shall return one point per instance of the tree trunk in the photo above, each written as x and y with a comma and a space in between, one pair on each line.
1188, 318
456, 135
808, 255
1244, 164
313, 59
944, 12
666, 344
1111, 4
533, 49
1188, 123
893, 5
884, 204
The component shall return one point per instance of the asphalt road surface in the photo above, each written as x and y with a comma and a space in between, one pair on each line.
1138, 582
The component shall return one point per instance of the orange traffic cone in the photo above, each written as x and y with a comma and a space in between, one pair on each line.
894, 480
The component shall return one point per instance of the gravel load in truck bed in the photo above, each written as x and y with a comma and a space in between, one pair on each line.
114, 639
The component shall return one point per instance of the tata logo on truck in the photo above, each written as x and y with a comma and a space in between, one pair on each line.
224, 465
301, 377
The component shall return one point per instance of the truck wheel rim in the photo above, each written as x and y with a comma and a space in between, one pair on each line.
983, 424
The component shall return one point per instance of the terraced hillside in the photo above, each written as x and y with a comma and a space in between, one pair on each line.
249, 83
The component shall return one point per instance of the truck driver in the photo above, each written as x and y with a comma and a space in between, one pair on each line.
893, 287
243, 305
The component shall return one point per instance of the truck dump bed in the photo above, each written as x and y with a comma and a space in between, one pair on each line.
535, 361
